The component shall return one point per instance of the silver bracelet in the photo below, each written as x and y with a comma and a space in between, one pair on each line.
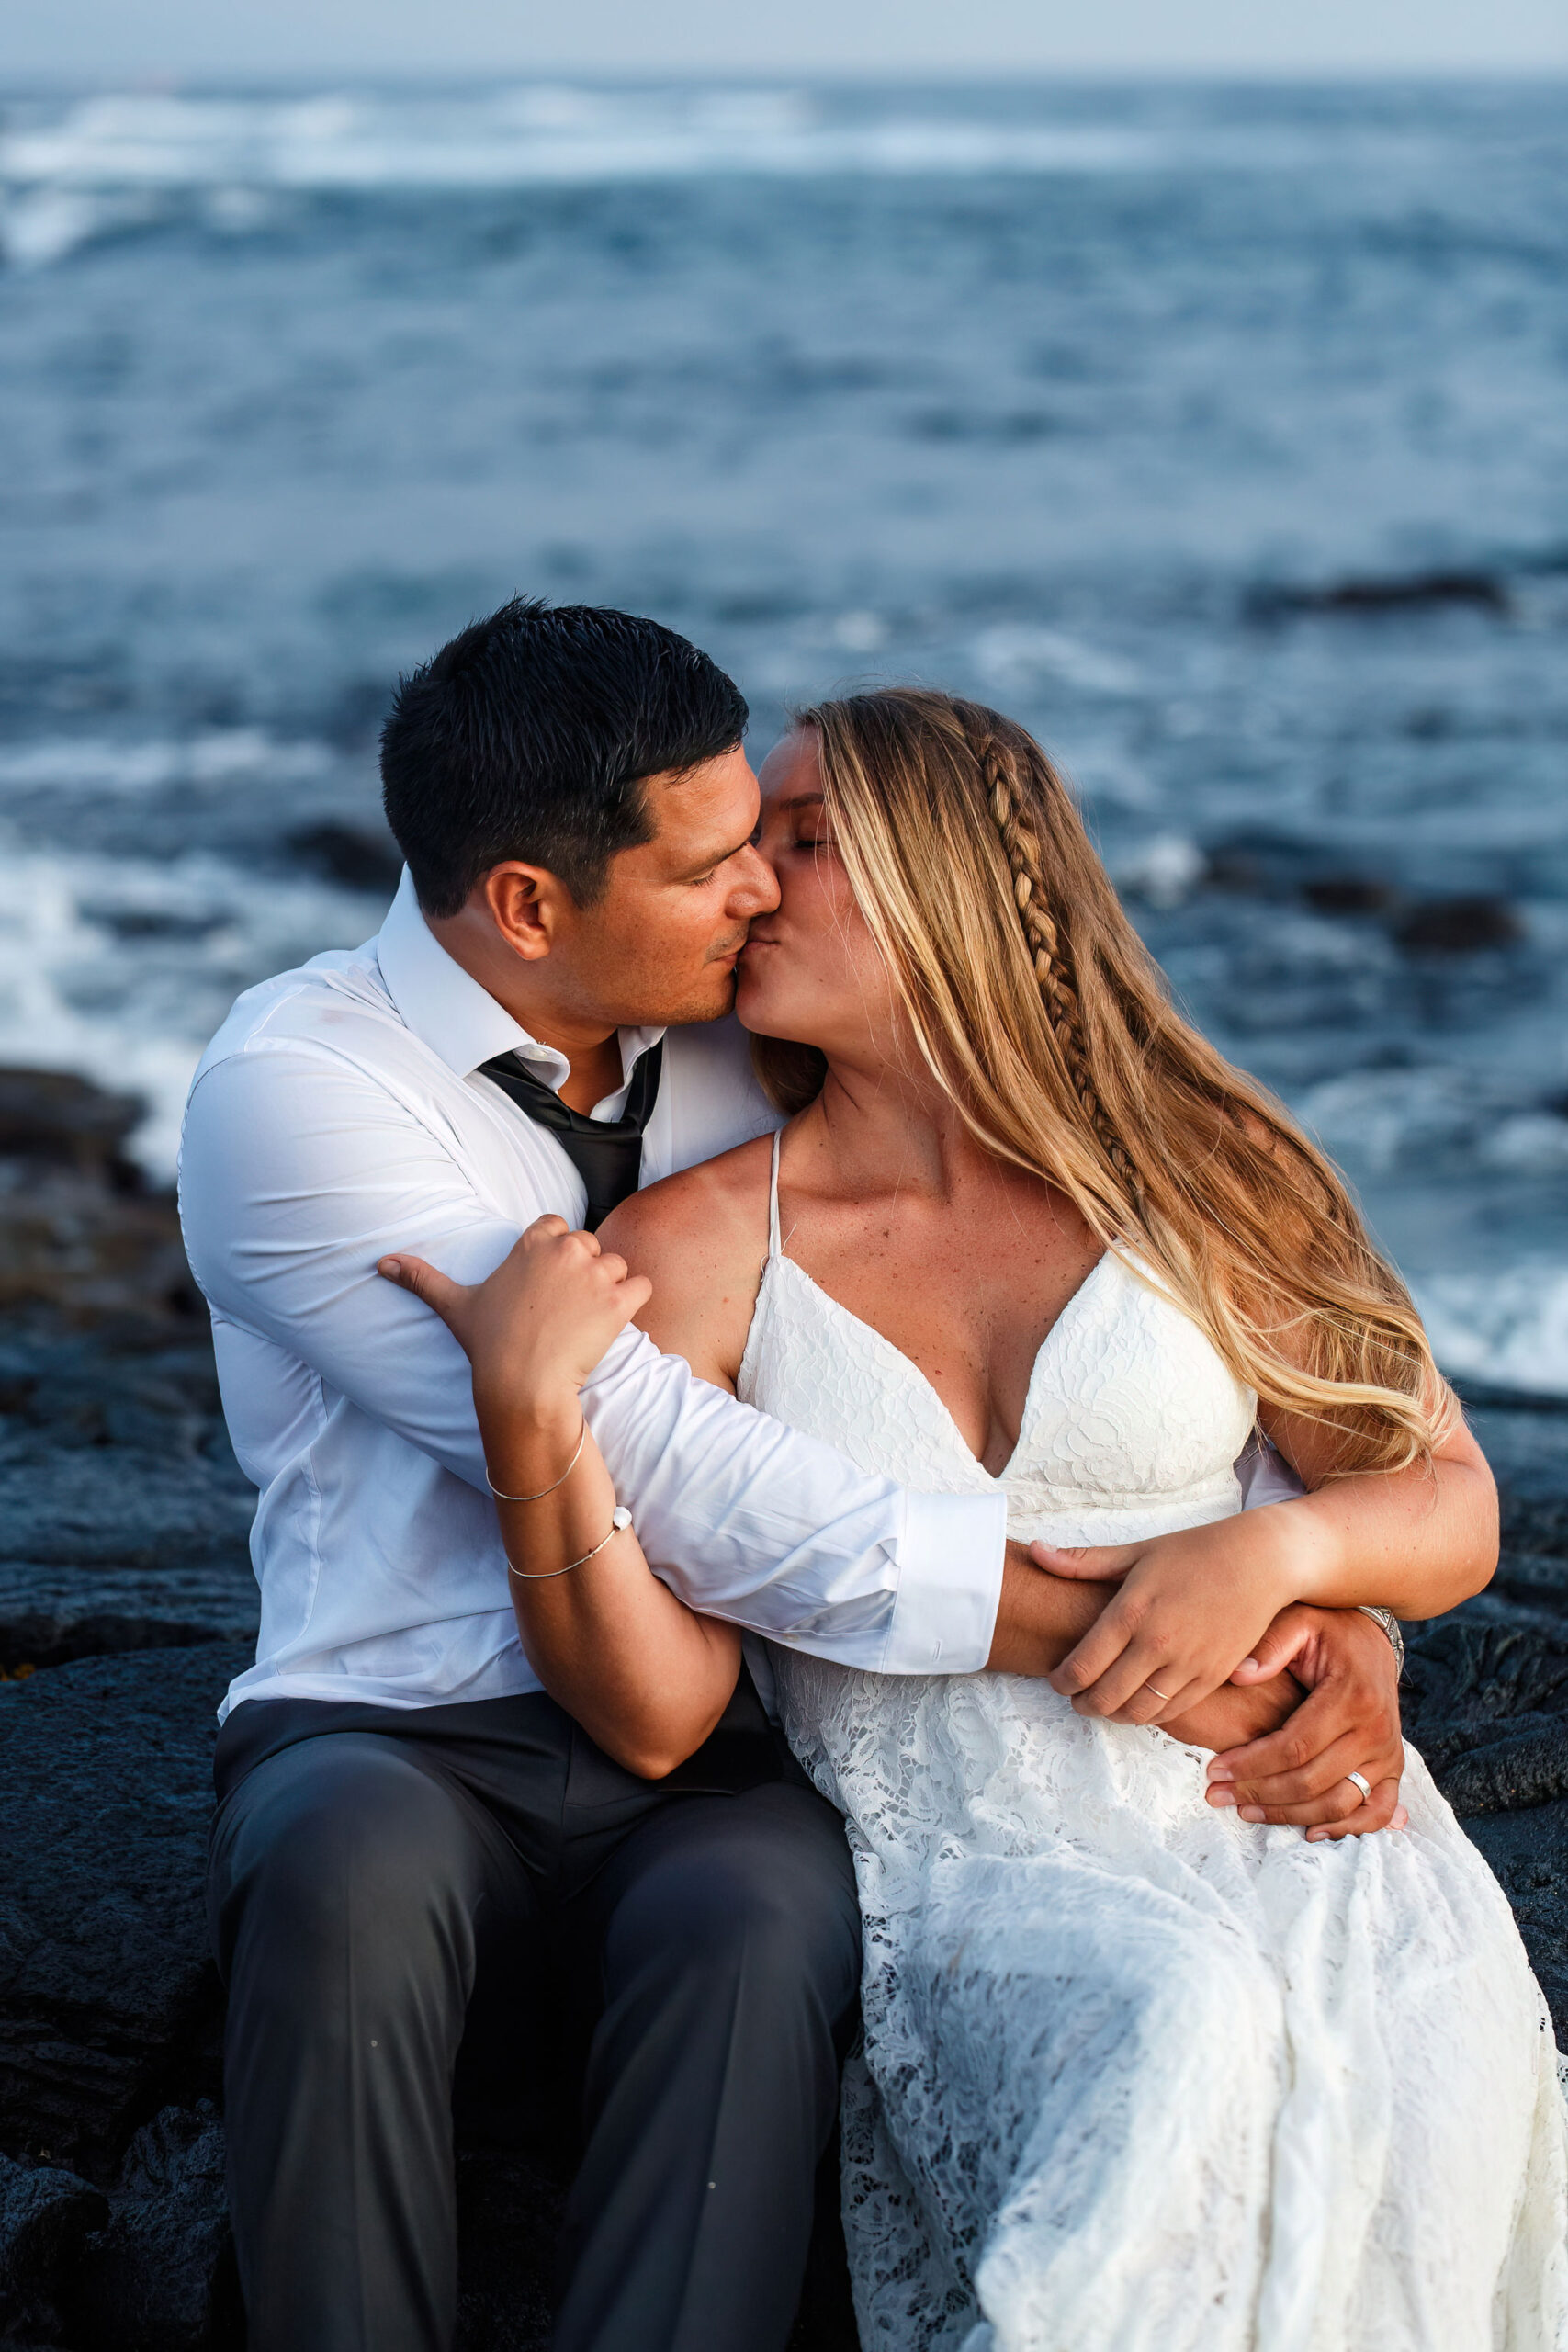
1391, 1625
581, 1441
622, 1519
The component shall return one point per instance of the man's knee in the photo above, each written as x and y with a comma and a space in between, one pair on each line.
338, 1842
765, 1889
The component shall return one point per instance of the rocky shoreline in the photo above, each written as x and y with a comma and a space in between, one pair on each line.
127, 1602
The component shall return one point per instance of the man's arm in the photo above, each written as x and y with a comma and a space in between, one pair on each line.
295, 1169
300, 1172
750, 1520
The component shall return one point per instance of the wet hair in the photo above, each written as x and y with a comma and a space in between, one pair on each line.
531, 735
1031, 1001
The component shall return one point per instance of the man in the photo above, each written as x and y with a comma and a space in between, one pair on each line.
401, 1806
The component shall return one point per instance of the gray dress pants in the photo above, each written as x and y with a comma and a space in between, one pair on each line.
381, 1876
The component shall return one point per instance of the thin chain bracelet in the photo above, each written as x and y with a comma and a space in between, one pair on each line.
621, 1521
581, 1441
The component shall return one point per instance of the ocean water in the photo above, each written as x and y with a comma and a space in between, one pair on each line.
1219, 434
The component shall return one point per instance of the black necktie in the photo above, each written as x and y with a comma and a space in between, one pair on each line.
606, 1153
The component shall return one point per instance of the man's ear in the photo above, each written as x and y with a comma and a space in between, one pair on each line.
526, 904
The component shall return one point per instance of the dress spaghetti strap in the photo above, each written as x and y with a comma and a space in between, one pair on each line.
775, 1243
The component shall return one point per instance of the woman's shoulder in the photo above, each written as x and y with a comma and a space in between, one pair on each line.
701, 1237
719, 1203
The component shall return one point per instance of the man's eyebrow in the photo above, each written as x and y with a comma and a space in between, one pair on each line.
721, 857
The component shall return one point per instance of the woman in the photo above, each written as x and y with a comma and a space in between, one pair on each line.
1138, 2072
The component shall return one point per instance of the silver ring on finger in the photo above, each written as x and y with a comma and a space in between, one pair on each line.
1362, 1784
1157, 1694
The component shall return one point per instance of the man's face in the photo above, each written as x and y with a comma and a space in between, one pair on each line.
658, 947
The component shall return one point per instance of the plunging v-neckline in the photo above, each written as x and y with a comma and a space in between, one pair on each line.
778, 1257
891, 1347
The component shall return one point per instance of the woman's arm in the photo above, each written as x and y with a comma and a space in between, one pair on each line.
1418, 1541
1193, 1607
642, 1673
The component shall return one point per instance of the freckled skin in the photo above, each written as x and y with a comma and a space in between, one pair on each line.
963, 1262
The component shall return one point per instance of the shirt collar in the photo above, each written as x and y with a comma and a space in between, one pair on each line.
460, 1021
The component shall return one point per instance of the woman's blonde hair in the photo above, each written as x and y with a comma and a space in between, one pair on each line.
1036, 1007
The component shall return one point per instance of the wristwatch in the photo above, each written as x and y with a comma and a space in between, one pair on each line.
1391, 1625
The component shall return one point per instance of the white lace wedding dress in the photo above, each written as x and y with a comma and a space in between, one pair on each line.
1140, 2077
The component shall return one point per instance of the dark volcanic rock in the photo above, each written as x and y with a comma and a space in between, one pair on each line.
124, 1518
359, 859
1407, 592
157, 2278
108, 2000
1457, 926
56, 1120
44, 2215
1487, 1703
122, 1506
1347, 894
1529, 1851
80, 1236
50, 1614
1486, 1693
90, 1251
118, 1548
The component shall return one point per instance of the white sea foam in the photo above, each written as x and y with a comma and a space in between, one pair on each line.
1013, 655
532, 136
122, 969
41, 225
1382, 1122
1165, 869
66, 763
1507, 1329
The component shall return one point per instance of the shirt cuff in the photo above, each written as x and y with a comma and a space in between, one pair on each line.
950, 1584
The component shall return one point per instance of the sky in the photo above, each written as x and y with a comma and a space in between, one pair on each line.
97, 42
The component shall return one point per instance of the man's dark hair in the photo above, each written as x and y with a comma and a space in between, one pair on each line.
530, 736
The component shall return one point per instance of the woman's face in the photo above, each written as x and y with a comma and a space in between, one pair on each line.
810, 970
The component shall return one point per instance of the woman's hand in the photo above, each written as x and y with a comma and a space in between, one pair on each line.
1191, 1607
1282, 1757
535, 1328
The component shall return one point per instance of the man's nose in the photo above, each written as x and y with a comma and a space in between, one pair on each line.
756, 890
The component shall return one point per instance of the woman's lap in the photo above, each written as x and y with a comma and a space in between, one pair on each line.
1313, 2080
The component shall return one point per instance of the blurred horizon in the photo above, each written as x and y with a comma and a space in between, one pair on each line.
819, 39
69, 81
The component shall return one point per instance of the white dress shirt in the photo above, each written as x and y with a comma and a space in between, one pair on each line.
338, 1115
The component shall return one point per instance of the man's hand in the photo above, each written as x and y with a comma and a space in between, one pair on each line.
1348, 1721
1234, 1717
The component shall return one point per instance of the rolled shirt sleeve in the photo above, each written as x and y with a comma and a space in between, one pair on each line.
753, 1521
